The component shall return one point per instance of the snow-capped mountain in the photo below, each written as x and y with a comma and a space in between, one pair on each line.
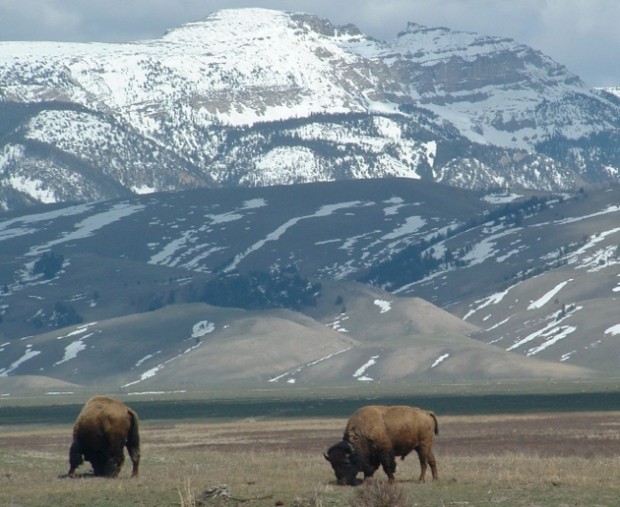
259, 97
615, 90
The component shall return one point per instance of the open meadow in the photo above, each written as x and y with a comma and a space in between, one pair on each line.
536, 459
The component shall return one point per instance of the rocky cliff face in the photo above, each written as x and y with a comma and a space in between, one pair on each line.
509, 94
260, 97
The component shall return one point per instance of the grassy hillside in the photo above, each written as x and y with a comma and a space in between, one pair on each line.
114, 294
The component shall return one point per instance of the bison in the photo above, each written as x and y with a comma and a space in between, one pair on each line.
102, 429
376, 434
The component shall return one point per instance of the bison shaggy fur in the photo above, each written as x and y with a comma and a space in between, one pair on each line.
103, 428
376, 434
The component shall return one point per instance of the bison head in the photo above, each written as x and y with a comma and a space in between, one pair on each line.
345, 462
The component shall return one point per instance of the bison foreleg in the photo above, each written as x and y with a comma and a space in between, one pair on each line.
388, 462
369, 470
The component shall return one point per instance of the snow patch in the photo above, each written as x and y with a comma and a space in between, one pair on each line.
501, 198
440, 360
259, 202
323, 211
551, 333
28, 354
485, 249
360, 372
557, 334
385, 306
90, 225
80, 330
396, 202
336, 325
34, 188
202, 328
493, 299
539, 303
143, 190
567, 356
411, 226
153, 371
297, 370
72, 350
146, 358
613, 330
22, 226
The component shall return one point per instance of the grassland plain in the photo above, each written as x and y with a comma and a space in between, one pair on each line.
543, 459
241, 402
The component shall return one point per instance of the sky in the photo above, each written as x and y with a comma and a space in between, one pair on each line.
583, 35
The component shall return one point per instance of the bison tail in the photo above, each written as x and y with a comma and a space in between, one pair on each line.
133, 443
133, 438
432, 414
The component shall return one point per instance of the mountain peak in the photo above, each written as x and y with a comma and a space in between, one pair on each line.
413, 27
441, 40
248, 22
256, 23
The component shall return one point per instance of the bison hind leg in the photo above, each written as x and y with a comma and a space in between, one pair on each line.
113, 464
111, 468
99, 465
426, 458
75, 458
103, 464
433, 464
134, 454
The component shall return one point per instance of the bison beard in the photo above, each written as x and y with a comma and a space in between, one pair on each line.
103, 428
375, 435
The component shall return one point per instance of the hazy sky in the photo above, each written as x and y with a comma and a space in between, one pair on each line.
581, 34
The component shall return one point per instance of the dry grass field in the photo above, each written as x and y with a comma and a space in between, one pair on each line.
560, 460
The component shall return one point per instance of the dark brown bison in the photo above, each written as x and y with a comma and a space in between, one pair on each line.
102, 429
376, 434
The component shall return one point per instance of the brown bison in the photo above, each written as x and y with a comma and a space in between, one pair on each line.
376, 434
102, 429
